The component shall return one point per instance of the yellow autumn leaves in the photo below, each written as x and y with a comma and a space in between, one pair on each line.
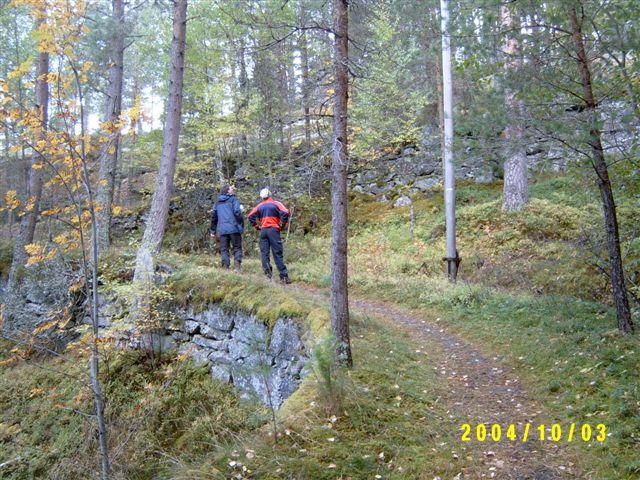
38, 253
11, 201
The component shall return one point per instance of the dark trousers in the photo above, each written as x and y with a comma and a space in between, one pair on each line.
235, 240
270, 240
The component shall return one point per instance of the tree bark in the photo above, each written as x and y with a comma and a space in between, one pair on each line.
92, 292
339, 199
108, 160
157, 217
243, 84
304, 65
515, 188
447, 156
625, 324
136, 132
34, 194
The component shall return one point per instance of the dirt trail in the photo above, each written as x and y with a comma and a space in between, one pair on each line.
481, 389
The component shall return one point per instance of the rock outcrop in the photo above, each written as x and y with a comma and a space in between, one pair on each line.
262, 362
45, 302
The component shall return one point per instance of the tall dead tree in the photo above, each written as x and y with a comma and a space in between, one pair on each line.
108, 160
339, 199
35, 183
156, 220
515, 188
599, 164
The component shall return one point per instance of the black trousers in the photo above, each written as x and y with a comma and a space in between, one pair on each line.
270, 241
235, 240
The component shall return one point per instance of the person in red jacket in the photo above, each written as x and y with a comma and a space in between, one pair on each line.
269, 217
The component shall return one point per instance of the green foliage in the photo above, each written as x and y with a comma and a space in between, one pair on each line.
386, 107
330, 378
187, 414
565, 347
374, 432
6, 256
539, 220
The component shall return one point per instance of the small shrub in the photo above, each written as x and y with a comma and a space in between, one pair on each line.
329, 375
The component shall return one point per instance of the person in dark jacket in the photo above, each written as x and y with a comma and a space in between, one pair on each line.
228, 223
269, 217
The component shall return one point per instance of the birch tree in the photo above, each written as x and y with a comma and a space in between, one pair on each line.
64, 150
339, 163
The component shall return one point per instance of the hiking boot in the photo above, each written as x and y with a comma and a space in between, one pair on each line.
237, 267
285, 280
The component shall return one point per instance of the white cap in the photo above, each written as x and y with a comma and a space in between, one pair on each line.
265, 193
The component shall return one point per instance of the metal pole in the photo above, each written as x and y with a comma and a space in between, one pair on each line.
451, 258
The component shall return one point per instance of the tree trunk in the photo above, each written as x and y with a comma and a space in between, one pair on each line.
157, 217
34, 194
447, 156
136, 132
108, 160
625, 324
304, 65
339, 295
92, 292
243, 83
516, 188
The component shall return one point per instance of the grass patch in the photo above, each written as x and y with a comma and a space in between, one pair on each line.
153, 415
565, 349
198, 285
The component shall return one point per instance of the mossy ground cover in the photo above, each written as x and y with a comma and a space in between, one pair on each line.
529, 292
155, 414
172, 421
566, 350
528, 296
388, 422
553, 247
168, 419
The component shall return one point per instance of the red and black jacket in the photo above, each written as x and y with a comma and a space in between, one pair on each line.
269, 214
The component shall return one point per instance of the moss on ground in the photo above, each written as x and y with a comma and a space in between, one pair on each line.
199, 285
530, 293
530, 290
155, 412
170, 420
554, 246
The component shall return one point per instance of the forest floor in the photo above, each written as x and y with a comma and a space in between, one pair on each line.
480, 389
525, 337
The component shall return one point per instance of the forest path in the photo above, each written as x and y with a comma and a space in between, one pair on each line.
480, 389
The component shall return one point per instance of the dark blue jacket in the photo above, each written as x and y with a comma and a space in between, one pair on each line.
226, 216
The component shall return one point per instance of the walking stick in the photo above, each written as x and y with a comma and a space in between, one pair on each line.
286, 239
